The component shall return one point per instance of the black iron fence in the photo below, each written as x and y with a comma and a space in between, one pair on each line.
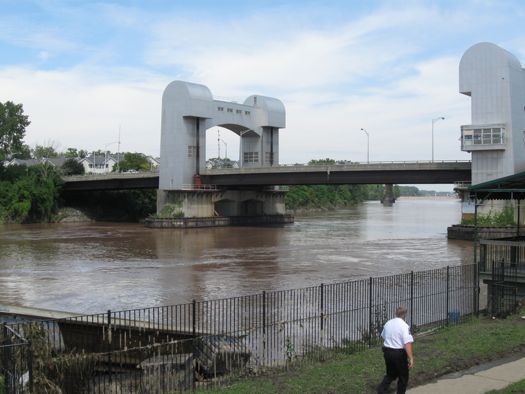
15, 361
510, 251
202, 343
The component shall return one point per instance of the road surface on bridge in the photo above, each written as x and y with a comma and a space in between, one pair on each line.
417, 172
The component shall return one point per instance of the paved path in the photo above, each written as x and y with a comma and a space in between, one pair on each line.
480, 379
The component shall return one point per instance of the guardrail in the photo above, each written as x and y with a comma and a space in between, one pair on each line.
199, 187
350, 163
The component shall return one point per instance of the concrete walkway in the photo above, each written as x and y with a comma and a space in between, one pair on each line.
480, 379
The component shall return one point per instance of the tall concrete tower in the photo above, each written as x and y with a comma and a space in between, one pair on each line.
495, 82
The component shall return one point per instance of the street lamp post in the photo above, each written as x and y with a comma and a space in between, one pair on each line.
433, 122
367, 145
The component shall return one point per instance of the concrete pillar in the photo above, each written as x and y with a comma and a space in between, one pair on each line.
388, 198
201, 204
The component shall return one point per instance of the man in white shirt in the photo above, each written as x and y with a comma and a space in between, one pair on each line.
397, 351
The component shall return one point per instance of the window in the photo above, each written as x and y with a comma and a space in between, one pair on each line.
487, 136
230, 109
483, 136
238, 111
246, 112
220, 108
268, 157
496, 136
192, 151
251, 157
477, 136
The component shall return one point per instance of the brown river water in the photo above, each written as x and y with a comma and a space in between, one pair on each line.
88, 268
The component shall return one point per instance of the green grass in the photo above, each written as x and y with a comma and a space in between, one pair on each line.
447, 350
518, 387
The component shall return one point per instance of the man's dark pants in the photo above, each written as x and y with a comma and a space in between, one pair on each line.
396, 361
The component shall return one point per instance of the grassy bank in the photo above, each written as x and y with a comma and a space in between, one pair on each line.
518, 387
451, 349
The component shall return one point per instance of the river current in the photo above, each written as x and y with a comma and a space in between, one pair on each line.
88, 268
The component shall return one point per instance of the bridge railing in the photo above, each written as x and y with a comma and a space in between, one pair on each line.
350, 163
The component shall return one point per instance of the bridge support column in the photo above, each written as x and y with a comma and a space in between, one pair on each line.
205, 208
389, 197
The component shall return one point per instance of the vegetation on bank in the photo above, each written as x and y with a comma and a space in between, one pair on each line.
28, 194
447, 350
330, 196
502, 218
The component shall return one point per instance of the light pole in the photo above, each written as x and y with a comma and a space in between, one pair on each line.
367, 146
433, 122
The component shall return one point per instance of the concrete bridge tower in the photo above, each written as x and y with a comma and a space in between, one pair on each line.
188, 110
495, 82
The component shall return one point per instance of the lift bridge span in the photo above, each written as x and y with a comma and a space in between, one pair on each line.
414, 172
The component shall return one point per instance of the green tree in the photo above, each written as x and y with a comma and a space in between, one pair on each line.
132, 162
74, 153
40, 152
72, 167
13, 125
318, 162
28, 194
217, 162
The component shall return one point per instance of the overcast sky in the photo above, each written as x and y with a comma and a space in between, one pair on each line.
83, 69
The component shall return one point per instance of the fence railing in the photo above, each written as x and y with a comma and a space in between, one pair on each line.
510, 251
202, 343
16, 361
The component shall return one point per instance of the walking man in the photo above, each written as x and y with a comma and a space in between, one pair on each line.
397, 351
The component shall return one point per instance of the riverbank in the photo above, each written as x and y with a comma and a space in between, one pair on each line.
448, 350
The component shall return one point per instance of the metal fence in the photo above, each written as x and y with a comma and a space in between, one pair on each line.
201, 344
15, 361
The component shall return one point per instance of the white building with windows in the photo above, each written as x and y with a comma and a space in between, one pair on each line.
99, 163
495, 81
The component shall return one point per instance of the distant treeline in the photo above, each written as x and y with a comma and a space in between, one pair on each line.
330, 196
340, 196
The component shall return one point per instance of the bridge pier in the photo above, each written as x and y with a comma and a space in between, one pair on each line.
389, 197
208, 208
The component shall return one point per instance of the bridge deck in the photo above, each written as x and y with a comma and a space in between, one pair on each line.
355, 173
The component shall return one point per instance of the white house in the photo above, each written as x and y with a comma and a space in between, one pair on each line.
99, 163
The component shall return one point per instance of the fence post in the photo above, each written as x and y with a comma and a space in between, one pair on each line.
193, 334
264, 323
370, 312
321, 307
30, 365
475, 292
448, 287
412, 302
109, 346
6, 357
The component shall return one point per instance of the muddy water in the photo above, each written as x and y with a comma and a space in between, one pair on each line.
94, 267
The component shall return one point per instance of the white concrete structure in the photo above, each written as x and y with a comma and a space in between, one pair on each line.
495, 81
189, 109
